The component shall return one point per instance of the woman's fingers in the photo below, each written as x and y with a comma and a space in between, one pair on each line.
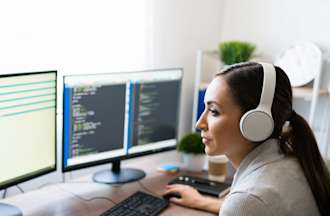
176, 200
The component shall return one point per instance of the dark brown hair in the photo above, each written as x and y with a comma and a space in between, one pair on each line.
245, 82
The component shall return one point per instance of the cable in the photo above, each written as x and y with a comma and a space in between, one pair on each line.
77, 196
75, 182
54, 183
20, 189
150, 191
4, 194
88, 200
44, 185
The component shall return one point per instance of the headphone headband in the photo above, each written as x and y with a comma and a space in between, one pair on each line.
268, 86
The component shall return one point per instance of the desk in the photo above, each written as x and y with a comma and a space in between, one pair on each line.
71, 198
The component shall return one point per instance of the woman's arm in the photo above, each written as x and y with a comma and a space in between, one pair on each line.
190, 197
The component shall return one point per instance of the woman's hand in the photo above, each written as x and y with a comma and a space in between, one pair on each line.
190, 197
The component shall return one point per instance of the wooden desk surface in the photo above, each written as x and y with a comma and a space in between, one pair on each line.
84, 197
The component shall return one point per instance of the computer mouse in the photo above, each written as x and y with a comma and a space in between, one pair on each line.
170, 195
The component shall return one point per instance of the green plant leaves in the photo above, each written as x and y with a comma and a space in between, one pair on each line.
232, 52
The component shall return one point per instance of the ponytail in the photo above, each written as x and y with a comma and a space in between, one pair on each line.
301, 143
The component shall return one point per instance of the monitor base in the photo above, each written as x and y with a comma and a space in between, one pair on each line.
123, 176
9, 210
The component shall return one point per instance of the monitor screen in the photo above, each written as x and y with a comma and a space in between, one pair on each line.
116, 116
28, 126
154, 112
95, 119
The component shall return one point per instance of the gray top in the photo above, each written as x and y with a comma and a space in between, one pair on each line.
268, 183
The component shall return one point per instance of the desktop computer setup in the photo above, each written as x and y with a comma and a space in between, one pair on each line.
107, 118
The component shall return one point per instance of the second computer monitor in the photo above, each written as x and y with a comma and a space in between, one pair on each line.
115, 116
154, 107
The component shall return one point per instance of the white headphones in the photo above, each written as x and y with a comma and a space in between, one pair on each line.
258, 124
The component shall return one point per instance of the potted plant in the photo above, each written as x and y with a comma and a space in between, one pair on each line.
192, 149
232, 52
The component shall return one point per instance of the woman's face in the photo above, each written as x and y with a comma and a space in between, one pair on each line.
220, 120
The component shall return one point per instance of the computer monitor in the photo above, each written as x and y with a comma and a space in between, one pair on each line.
115, 116
28, 127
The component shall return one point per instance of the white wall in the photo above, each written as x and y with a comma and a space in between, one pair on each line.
84, 36
181, 28
273, 25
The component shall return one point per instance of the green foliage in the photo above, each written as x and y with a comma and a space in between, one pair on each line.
191, 143
232, 52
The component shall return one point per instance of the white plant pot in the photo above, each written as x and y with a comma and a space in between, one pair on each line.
193, 162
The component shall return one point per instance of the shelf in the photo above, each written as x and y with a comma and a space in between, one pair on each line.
307, 92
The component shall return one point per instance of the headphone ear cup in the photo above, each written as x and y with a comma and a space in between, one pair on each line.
256, 125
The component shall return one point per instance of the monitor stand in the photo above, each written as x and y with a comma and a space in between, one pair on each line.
9, 210
118, 175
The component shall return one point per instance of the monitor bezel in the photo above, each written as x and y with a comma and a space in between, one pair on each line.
126, 156
38, 173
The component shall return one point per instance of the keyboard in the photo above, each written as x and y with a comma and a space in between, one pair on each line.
204, 186
138, 204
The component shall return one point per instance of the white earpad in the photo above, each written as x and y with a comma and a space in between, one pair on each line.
256, 125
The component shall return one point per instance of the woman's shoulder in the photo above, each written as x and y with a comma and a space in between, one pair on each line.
285, 170
277, 187
274, 181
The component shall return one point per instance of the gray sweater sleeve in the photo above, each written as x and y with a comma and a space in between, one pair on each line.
244, 204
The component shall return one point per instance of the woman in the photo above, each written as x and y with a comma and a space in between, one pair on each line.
281, 175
